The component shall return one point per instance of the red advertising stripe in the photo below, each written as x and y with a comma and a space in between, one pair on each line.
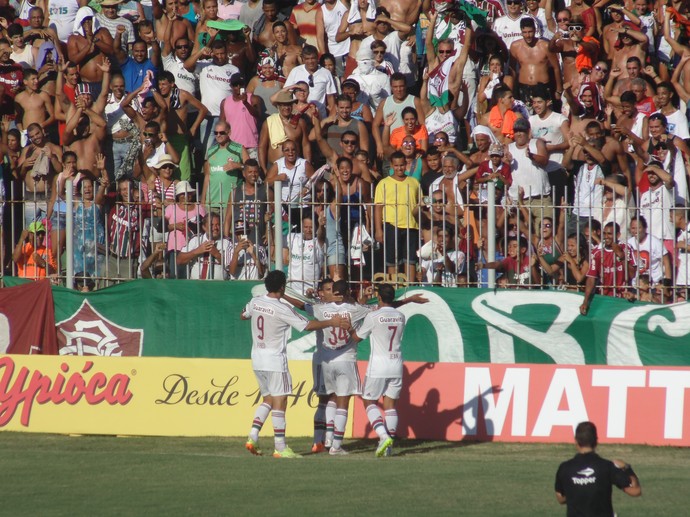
540, 403
27, 319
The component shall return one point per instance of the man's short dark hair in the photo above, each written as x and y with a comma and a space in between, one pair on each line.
616, 227
153, 125
634, 59
347, 133
586, 434
433, 151
251, 162
386, 293
527, 23
340, 287
397, 155
628, 97
218, 44
642, 221
275, 281
343, 159
343, 98
310, 50
398, 76
166, 76
14, 29
278, 23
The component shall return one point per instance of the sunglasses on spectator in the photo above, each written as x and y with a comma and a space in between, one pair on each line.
573, 28
514, 2
311, 80
445, 51
146, 133
437, 201
408, 144
380, 52
546, 225
349, 142
178, 47
563, 20
439, 139
169, 166
600, 69
220, 133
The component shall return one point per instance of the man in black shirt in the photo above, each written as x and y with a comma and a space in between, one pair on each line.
585, 482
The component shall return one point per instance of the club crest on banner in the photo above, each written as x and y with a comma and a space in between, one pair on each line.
87, 332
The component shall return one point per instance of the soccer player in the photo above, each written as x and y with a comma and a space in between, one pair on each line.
384, 373
271, 321
585, 482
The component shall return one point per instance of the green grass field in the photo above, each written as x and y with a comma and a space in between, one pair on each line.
43, 475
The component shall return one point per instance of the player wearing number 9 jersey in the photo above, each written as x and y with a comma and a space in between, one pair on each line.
385, 327
271, 321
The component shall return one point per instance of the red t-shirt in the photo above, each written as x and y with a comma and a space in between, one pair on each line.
646, 106
611, 272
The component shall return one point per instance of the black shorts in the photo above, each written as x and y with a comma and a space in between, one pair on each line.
400, 245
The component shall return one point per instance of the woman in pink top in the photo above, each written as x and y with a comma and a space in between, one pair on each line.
241, 111
178, 216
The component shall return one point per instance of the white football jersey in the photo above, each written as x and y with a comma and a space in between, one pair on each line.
271, 322
385, 326
336, 344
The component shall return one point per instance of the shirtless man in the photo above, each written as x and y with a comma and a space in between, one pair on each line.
89, 51
85, 130
240, 50
355, 30
33, 106
265, 37
610, 31
534, 59
406, 11
287, 56
168, 15
621, 80
632, 44
610, 147
37, 181
178, 103
153, 109
296, 130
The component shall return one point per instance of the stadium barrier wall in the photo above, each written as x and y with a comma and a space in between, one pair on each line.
540, 403
142, 396
169, 318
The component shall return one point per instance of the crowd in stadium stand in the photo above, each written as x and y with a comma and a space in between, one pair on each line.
405, 135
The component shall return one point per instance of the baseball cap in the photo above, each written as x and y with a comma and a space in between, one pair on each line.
36, 227
496, 150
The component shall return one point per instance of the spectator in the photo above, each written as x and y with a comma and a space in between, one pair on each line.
34, 260
222, 168
178, 216
304, 253
241, 111
204, 254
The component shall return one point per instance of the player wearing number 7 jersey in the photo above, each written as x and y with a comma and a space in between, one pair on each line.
385, 370
271, 321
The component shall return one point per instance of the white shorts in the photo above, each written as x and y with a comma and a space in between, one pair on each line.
377, 387
275, 384
341, 378
317, 372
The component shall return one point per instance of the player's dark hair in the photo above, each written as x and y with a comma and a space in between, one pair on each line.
386, 293
586, 434
340, 287
275, 281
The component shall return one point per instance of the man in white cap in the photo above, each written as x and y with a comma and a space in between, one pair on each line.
109, 19
374, 84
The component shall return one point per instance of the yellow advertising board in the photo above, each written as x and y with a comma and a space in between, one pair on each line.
154, 396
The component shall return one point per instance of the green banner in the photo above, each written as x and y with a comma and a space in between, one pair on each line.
202, 319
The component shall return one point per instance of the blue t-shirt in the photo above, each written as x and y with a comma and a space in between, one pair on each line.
134, 73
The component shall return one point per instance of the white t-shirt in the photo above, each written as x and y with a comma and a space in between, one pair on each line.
385, 326
214, 83
271, 322
549, 130
588, 195
331, 23
323, 85
649, 257
291, 191
62, 15
677, 124
114, 114
184, 79
448, 279
206, 267
526, 174
655, 207
336, 343
306, 262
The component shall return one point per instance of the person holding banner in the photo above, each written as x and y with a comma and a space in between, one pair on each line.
271, 321
584, 483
